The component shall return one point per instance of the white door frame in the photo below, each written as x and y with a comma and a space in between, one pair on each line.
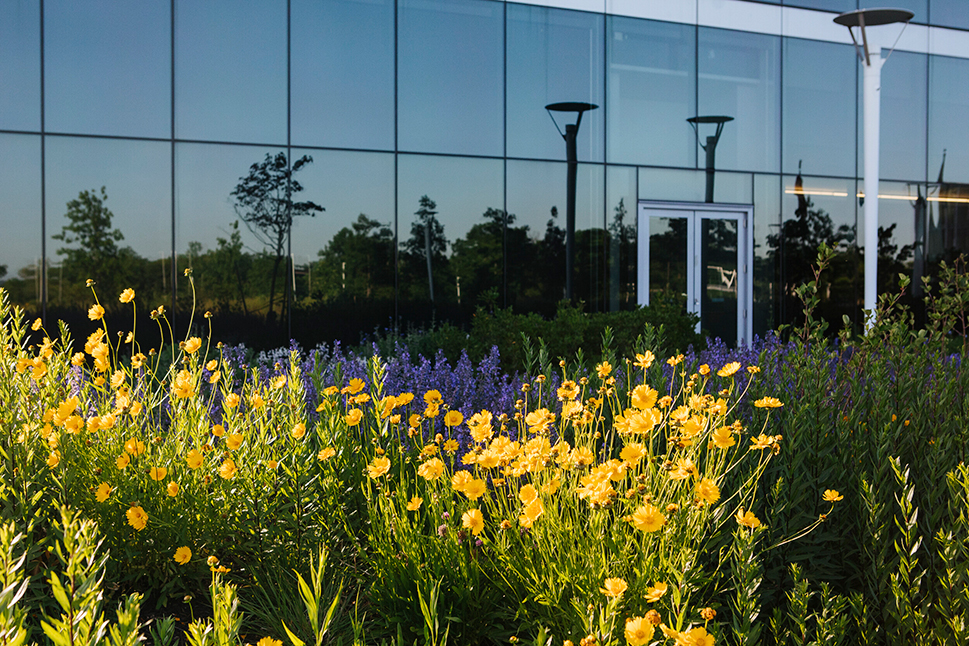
743, 214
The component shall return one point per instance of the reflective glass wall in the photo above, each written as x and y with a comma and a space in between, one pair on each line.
331, 167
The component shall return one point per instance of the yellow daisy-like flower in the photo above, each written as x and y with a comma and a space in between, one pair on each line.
527, 494
473, 520
356, 385
157, 473
729, 370
228, 469
183, 555
644, 361
194, 459
633, 452
639, 631
832, 495
644, 397
451, 446
234, 441
415, 503
768, 402
326, 453
172, 489
698, 637
269, 641
604, 369
53, 459
122, 461
184, 385
127, 296
431, 470
218, 430
298, 431
231, 400
648, 519
192, 345
137, 517
104, 490
747, 519
134, 446
380, 466
475, 489
613, 587
722, 438
707, 491
453, 418
656, 591
353, 416
95, 313
460, 479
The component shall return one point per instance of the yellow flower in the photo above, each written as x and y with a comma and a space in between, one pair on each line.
415, 503
460, 479
613, 587
127, 296
353, 416
326, 453
648, 518
603, 369
95, 313
633, 452
644, 397
37, 324
639, 631
747, 519
53, 459
704, 370
212, 365
184, 386
218, 430
552, 486
729, 369
707, 491
272, 464
451, 446
379, 467
356, 385
431, 470
194, 459
183, 555
527, 494
77, 359
832, 495
475, 489
228, 469
433, 397
157, 473
104, 490
256, 401
762, 441
172, 489
192, 345
298, 431
137, 517
722, 438
473, 520
231, 400
655, 592
269, 641
134, 446
530, 514
122, 461
698, 637
234, 441
644, 361
453, 418
768, 402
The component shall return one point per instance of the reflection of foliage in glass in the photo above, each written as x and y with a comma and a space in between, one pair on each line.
89, 226
478, 257
622, 237
357, 263
427, 246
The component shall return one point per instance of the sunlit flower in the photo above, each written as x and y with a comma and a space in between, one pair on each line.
218, 430
451, 446
768, 402
256, 401
194, 459
633, 452
613, 587
172, 489
729, 370
234, 441
473, 520
645, 360
433, 397
707, 491
639, 631
269, 641
475, 489
356, 385
192, 345
134, 446
184, 385
683, 469
527, 494
648, 518
230, 401
326, 453
122, 461
95, 313
552, 486
698, 637
127, 296
104, 490
137, 517
37, 324
453, 418
54, 459
298, 431
747, 519
353, 416
530, 514
431, 470
656, 591
278, 382
722, 438
157, 473
762, 441
604, 369
704, 370
228, 469
644, 397
379, 467
832, 495
183, 555
414, 503
460, 479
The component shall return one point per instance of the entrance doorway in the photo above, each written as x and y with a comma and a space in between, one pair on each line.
701, 253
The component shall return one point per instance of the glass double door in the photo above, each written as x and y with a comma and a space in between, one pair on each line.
697, 255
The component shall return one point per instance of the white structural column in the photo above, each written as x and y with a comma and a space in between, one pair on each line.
872, 108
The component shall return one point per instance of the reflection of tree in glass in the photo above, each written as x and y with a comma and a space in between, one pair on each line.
264, 202
622, 238
89, 226
478, 257
426, 246
358, 263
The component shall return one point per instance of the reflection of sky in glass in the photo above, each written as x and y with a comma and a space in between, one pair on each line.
948, 108
535, 187
652, 92
553, 56
767, 210
20, 215
951, 13
739, 76
136, 176
670, 184
819, 106
230, 70
894, 208
205, 175
343, 73
835, 197
620, 185
462, 188
451, 89
108, 67
20, 64
839, 6
346, 184
903, 118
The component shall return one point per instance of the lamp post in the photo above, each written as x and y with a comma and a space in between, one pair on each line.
869, 52
710, 147
571, 156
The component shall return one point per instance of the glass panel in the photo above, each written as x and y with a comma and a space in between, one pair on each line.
946, 224
839, 6
20, 219
739, 77
948, 107
652, 92
766, 274
949, 13
668, 249
621, 229
109, 219
553, 56
230, 71
903, 118
344, 257
819, 108
451, 83
817, 210
343, 73
20, 65
718, 278
672, 185
108, 67
900, 212
449, 211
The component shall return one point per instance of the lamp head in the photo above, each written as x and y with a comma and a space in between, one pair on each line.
871, 18
569, 106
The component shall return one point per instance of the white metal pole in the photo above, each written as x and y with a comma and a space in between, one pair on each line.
872, 100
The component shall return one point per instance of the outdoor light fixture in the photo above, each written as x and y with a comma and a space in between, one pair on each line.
869, 52
710, 147
571, 156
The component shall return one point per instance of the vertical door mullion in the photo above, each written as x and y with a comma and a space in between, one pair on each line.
692, 262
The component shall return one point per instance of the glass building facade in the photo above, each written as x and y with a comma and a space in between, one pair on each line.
412, 173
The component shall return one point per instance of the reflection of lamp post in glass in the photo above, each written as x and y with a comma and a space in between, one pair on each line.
873, 62
571, 156
710, 147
